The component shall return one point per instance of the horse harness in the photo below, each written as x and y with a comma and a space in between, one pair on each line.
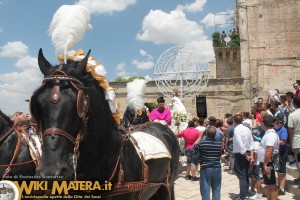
22, 135
122, 187
82, 104
82, 110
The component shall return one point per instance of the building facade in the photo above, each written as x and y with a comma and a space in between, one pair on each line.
268, 58
223, 95
270, 44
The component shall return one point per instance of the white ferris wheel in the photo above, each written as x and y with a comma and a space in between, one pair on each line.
183, 67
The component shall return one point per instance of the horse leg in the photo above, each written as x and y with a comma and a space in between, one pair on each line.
163, 194
172, 190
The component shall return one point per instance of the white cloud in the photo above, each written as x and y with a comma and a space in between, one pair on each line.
120, 66
204, 49
143, 64
220, 19
106, 6
160, 28
22, 81
1, 29
121, 70
16, 87
146, 54
27, 62
193, 7
16, 49
143, 52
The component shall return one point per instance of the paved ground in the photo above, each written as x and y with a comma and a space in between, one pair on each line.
186, 189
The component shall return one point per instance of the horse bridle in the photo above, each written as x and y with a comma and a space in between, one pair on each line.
82, 108
16, 151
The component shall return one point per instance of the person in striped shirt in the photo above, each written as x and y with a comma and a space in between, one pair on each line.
210, 165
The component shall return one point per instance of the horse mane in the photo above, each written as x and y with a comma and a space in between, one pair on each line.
99, 111
102, 135
8, 121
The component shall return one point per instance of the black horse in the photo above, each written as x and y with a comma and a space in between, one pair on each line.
71, 107
14, 160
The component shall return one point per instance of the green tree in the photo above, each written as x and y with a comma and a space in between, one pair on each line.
120, 80
235, 41
151, 105
216, 37
127, 80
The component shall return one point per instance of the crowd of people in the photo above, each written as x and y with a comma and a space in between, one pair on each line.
256, 145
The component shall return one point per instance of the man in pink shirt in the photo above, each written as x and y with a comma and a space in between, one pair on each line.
190, 135
161, 114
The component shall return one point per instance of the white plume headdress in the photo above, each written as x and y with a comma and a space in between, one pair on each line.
135, 93
68, 26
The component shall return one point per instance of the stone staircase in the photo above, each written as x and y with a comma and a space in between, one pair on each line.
291, 187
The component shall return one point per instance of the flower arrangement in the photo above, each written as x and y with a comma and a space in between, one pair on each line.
180, 117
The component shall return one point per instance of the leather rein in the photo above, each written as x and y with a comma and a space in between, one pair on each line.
17, 150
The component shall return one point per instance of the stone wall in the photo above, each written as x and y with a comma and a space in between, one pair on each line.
222, 96
270, 43
212, 70
277, 74
228, 62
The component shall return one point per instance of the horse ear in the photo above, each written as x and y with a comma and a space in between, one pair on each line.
45, 67
82, 64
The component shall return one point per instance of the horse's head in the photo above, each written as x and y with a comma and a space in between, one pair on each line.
60, 107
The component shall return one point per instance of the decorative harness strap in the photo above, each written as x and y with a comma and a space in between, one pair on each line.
82, 108
75, 142
122, 187
32, 146
7, 134
17, 150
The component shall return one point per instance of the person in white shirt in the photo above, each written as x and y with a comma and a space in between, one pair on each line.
199, 125
294, 133
243, 146
269, 147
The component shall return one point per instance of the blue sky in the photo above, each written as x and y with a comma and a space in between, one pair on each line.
128, 36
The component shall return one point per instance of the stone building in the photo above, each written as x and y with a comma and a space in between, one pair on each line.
270, 44
268, 58
223, 95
